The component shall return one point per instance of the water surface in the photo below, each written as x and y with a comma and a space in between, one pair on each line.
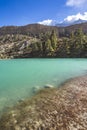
18, 78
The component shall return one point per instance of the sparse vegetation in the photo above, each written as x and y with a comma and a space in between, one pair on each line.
45, 44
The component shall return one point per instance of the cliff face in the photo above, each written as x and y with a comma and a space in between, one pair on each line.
64, 108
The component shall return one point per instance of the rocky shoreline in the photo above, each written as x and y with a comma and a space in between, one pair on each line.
63, 108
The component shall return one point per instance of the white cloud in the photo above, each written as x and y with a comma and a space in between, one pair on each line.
76, 3
68, 19
78, 16
47, 22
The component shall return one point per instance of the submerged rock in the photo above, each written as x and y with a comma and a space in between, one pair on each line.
48, 86
36, 89
64, 108
20, 100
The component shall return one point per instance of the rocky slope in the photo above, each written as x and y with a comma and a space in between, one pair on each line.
36, 41
47, 45
64, 108
12, 46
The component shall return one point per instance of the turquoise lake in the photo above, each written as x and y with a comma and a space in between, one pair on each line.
19, 77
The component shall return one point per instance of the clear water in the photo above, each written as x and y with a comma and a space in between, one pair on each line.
18, 78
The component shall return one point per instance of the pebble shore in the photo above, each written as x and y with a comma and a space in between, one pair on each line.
63, 108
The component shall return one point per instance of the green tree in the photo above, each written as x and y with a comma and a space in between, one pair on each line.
54, 40
48, 48
79, 39
34, 47
77, 42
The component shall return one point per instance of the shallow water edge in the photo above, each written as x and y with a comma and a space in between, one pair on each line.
61, 108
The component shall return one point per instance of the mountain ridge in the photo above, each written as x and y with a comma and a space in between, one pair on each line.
66, 23
36, 29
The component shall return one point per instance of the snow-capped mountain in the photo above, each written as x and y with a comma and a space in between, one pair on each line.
69, 20
68, 23
63, 23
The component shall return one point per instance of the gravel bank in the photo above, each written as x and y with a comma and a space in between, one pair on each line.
64, 108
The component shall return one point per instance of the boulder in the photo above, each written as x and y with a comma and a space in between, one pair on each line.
48, 86
36, 89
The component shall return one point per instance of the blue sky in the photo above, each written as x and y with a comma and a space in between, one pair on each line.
22, 12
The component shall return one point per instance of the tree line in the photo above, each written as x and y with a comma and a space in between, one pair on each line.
50, 45
46, 45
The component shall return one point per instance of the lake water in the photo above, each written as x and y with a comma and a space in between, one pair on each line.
18, 78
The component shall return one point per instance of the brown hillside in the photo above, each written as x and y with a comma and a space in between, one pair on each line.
36, 29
